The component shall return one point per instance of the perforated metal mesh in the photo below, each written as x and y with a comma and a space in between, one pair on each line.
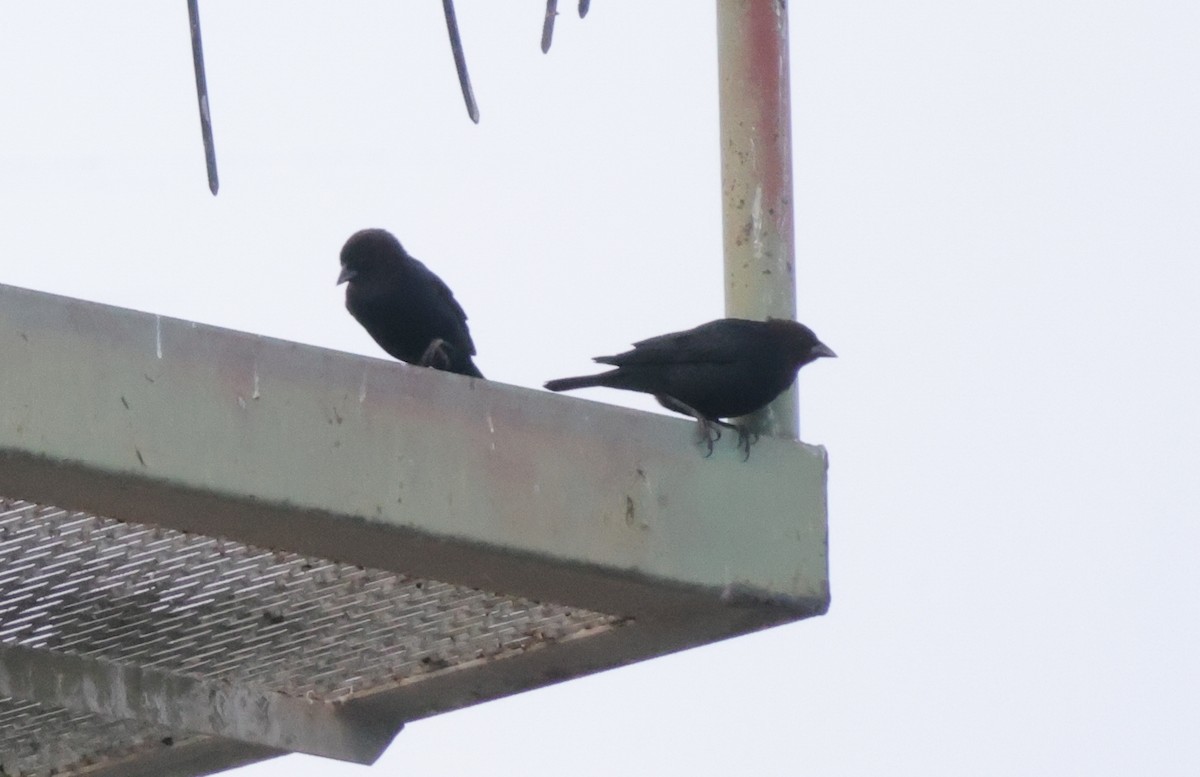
134, 594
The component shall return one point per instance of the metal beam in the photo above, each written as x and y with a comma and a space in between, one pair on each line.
756, 175
147, 418
190, 758
183, 703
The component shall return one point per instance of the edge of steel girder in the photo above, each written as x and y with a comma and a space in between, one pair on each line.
182, 703
146, 418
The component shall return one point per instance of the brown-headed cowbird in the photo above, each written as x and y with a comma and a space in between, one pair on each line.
409, 311
723, 369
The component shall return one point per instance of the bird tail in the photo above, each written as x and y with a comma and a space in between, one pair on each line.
569, 384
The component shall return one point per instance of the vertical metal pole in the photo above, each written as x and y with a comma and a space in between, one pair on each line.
756, 175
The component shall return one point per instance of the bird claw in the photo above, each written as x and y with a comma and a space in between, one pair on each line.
708, 430
436, 355
707, 433
746, 438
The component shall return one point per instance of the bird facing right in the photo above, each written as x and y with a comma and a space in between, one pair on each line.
723, 369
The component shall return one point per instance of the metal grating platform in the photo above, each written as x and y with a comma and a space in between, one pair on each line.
78, 585
218, 609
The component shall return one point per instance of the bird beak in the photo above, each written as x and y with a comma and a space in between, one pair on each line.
346, 274
823, 350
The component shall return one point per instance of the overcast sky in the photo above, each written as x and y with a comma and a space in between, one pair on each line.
998, 226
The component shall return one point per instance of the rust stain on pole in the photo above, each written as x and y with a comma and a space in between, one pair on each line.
756, 175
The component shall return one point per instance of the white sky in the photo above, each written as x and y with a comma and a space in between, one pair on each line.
998, 217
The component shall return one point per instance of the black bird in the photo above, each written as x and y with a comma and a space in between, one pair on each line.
409, 311
723, 369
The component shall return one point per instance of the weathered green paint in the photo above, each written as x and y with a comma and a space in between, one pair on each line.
134, 409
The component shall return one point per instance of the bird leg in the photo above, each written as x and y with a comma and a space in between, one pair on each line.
435, 355
708, 430
746, 436
707, 433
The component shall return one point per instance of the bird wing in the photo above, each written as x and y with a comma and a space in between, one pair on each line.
456, 310
717, 342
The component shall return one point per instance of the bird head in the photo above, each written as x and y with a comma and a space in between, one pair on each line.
801, 344
368, 249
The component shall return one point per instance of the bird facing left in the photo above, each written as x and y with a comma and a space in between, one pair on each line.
408, 310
